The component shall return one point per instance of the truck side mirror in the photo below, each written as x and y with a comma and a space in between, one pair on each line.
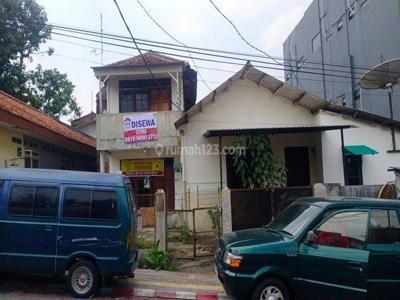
310, 238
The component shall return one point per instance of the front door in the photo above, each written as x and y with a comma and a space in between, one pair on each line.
29, 229
383, 274
298, 166
334, 266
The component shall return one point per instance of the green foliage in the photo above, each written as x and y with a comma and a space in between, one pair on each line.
142, 243
215, 219
52, 93
184, 236
22, 29
156, 259
256, 166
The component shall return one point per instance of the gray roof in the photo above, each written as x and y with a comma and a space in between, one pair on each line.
298, 96
61, 176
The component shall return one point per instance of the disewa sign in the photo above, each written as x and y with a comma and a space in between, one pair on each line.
140, 128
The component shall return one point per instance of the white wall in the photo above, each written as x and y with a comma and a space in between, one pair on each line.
369, 134
89, 129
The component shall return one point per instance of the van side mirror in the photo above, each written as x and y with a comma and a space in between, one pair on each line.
310, 238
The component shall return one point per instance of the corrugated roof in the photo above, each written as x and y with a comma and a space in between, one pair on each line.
153, 59
84, 120
22, 110
294, 94
273, 129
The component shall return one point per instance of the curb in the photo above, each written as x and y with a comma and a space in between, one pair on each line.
162, 294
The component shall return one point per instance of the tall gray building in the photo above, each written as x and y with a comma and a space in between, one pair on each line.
336, 42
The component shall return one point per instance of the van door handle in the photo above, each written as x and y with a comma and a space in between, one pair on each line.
356, 265
48, 228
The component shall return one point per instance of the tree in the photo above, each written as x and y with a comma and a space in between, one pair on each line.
23, 27
52, 93
256, 165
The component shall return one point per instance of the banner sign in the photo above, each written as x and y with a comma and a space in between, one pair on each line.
142, 167
140, 128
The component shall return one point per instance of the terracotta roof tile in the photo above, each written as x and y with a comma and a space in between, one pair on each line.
24, 111
153, 59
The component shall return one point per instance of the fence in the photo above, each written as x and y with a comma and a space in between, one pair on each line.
186, 239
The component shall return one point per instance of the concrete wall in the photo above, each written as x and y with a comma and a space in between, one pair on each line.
370, 37
89, 129
50, 155
110, 135
8, 149
375, 136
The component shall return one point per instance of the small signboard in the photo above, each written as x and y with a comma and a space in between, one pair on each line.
140, 128
142, 167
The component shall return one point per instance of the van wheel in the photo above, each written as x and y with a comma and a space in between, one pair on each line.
83, 279
271, 289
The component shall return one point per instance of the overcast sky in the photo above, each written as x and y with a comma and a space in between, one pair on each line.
265, 23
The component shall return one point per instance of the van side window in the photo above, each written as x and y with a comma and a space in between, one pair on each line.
77, 203
90, 204
384, 227
33, 201
21, 201
46, 202
104, 205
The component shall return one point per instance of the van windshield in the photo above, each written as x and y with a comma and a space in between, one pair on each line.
293, 219
131, 197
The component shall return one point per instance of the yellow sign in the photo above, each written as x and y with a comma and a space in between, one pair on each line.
142, 167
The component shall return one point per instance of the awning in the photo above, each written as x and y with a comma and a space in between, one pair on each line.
360, 150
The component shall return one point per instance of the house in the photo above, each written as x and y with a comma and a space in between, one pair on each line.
135, 122
86, 124
315, 140
32, 139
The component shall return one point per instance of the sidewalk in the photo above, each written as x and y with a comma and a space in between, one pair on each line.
167, 285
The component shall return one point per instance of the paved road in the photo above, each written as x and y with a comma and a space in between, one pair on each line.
148, 283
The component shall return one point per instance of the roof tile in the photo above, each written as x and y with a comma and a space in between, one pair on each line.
24, 111
153, 59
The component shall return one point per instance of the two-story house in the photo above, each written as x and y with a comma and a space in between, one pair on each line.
135, 131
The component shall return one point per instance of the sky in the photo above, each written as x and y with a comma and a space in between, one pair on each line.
264, 23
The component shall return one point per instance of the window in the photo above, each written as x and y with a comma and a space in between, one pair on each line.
126, 102
89, 204
77, 203
104, 205
353, 165
384, 227
142, 102
343, 230
316, 42
33, 201
1, 185
16, 140
21, 201
46, 200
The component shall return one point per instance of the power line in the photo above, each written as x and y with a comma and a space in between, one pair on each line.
211, 54
207, 59
176, 40
365, 68
140, 51
246, 41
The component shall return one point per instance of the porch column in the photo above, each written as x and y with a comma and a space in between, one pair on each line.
343, 157
220, 161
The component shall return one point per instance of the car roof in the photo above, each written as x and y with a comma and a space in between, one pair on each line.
62, 176
351, 201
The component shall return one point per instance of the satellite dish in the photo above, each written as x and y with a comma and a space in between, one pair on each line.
382, 76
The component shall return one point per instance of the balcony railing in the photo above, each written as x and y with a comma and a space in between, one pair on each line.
110, 131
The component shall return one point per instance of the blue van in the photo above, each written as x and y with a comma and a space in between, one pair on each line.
78, 224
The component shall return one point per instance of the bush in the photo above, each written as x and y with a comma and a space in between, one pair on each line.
142, 243
156, 259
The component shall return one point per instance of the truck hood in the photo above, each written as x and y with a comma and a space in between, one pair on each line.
249, 237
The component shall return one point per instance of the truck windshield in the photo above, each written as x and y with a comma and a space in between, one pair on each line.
293, 219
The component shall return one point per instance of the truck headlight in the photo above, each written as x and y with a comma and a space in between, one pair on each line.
232, 260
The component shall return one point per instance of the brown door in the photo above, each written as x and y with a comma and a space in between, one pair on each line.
298, 166
166, 182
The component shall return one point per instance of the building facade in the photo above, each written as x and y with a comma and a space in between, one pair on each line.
31, 139
316, 141
86, 124
336, 42
135, 122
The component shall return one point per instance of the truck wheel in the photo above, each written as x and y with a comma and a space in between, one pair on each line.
271, 288
83, 279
